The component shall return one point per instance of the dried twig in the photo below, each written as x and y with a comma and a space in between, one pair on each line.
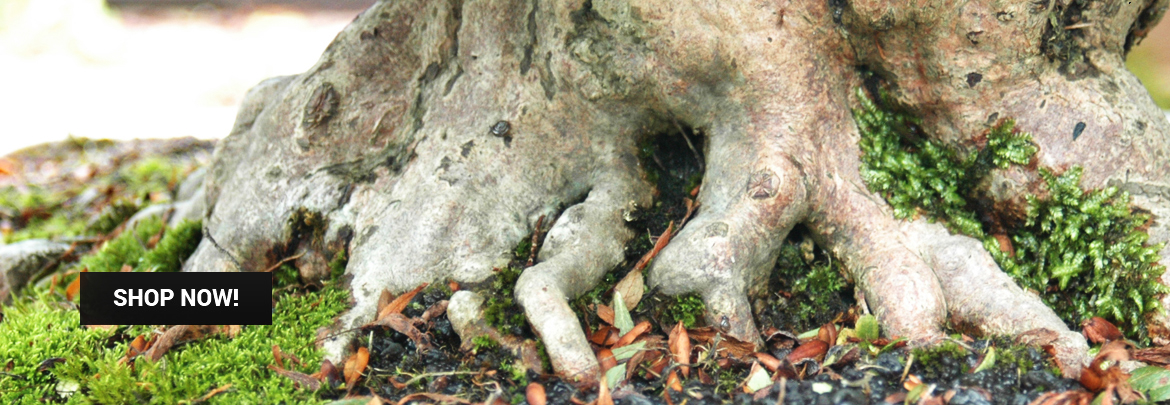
536, 235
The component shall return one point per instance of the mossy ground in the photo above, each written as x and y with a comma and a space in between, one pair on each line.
43, 325
46, 356
1084, 252
85, 188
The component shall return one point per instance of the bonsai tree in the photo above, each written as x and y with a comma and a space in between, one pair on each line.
432, 136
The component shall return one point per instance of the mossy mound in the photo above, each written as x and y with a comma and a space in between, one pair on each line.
1084, 252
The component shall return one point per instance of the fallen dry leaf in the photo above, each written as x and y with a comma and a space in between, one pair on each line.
828, 334
769, 361
74, 287
168, 339
629, 337
679, 344
355, 366
603, 395
605, 358
605, 313
673, 382
405, 326
535, 394
399, 303
635, 361
277, 357
663, 239
1077, 397
1098, 330
212, 393
602, 336
1153, 355
329, 374
137, 347
809, 350
439, 398
631, 286
300, 379
384, 300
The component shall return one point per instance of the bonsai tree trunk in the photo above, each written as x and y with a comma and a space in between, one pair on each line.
431, 136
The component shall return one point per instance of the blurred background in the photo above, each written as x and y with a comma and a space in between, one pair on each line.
125, 69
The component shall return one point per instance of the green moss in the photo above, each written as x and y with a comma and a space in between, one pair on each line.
515, 371
151, 175
176, 245
38, 328
37, 213
914, 172
337, 265
285, 275
812, 287
130, 248
112, 215
59, 225
688, 309
127, 248
482, 343
1084, 252
501, 310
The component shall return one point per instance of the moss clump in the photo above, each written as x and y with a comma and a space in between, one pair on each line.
152, 175
129, 248
501, 310
914, 172
112, 215
1084, 252
39, 327
337, 265
176, 245
686, 308
36, 330
481, 343
37, 213
812, 287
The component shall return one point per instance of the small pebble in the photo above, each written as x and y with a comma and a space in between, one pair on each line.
501, 128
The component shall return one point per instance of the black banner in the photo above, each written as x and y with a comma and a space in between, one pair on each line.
176, 298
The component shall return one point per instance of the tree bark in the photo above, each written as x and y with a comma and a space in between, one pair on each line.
431, 136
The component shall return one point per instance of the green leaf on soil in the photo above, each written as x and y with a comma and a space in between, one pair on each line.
1155, 381
615, 375
621, 314
628, 351
867, 328
988, 361
759, 379
916, 393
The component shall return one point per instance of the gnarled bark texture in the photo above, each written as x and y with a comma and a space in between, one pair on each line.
432, 135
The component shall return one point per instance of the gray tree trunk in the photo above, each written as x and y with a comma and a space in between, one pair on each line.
393, 147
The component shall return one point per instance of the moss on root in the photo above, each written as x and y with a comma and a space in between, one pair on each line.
1084, 252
